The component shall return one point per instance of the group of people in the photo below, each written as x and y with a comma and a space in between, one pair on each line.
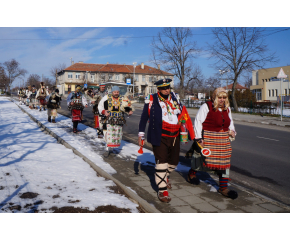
109, 112
43, 98
213, 130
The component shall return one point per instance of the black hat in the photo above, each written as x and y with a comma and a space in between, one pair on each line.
56, 90
163, 82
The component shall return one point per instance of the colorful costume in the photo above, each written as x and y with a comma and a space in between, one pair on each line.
113, 124
164, 115
76, 102
41, 95
53, 104
212, 126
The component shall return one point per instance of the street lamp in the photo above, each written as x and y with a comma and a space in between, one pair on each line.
222, 72
134, 65
208, 92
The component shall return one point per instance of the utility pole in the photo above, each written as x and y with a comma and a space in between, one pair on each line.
134, 65
55, 78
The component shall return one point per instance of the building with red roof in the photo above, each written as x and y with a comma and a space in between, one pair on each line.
95, 74
238, 87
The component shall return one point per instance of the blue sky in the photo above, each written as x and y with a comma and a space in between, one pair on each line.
38, 49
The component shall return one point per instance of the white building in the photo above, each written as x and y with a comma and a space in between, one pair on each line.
95, 74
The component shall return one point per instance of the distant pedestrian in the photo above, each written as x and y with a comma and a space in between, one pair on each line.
214, 128
165, 113
42, 93
53, 104
32, 98
76, 102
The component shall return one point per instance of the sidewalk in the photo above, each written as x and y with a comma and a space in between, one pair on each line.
136, 172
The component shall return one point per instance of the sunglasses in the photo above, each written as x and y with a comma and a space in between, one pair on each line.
222, 97
164, 88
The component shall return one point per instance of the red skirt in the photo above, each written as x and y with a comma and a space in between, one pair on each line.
76, 115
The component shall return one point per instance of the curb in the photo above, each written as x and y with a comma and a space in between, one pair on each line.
133, 196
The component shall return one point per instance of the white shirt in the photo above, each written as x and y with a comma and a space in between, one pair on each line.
169, 118
201, 116
68, 100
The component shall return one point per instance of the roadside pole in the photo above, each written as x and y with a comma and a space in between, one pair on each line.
281, 76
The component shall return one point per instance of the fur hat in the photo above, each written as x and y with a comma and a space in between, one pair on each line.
115, 88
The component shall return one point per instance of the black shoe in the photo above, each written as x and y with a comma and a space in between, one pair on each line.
192, 178
49, 119
53, 120
228, 193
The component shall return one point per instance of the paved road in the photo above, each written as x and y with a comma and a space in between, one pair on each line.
260, 159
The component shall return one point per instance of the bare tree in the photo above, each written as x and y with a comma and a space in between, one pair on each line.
34, 79
239, 49
4, 81
13, 71
57, 69
174, 49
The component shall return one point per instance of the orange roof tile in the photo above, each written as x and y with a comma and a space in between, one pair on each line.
238, 86
115, 68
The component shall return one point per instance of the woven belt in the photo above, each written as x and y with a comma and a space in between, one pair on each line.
169, 133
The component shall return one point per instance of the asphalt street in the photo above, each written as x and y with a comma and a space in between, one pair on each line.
260, 158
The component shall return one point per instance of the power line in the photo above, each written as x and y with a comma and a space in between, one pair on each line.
274, 31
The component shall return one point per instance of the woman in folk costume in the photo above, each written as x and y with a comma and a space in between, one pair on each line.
53, 104
32, 98
165, 114
76, 102
214, 128
41, 95
113, 107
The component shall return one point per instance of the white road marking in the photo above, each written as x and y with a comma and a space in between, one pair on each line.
269, 139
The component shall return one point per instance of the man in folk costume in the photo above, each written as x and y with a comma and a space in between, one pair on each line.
165, 114
98, 95
76, 102
32, 98
214, 129
53, 104
113, 107
41, 95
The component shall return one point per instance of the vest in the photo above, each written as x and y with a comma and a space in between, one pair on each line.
114, 113
216, 120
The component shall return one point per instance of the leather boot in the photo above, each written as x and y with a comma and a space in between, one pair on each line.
49, 119
228, 193
164, 197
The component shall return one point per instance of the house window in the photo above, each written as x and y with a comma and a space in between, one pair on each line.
155, 79
110, 76
143, 78
150, 79
136, 78
269, 93
276, 92
117, 76
78, 75
273, 93
69, 75
92, 77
